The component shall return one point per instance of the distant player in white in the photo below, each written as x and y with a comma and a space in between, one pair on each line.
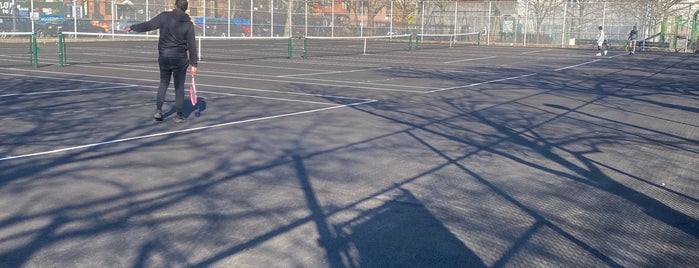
601, 41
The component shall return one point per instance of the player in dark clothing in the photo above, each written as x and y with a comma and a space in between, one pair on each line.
633, 35
175, 45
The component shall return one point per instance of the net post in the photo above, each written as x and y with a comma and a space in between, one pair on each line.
303, 52
35, 52
410, 42
365, 46
478, 41
60, 49
31, 50
291, 47
417, 42
199, 47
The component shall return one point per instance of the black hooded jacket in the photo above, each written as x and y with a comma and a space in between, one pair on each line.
176, 35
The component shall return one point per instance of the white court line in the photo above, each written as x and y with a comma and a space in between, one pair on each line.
269, 98
482, 83
228, 75
200, 91
258, 66
335, 72
577, 65
202, 61
149, 103
482, 58
304, 82
16, 59
63, 78
535, 51
180, 131
351, 83
198, 84
585, 63
65, 91
82, 111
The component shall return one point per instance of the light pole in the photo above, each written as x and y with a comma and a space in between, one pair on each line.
13, 11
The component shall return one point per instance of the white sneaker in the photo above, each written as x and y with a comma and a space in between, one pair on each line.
605, 53
599, 54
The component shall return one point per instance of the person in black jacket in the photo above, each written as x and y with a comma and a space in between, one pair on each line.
633, 36
175, 45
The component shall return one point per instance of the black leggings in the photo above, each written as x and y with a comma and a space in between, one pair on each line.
177, 69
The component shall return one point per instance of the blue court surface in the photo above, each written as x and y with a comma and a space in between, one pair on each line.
468, 156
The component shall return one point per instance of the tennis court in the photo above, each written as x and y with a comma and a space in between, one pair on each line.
441, 156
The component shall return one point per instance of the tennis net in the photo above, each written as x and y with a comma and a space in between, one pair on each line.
18, 49
244, 48
447, 40
320, 46
96, 48
91, 48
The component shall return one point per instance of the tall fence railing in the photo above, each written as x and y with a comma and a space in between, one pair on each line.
557, 23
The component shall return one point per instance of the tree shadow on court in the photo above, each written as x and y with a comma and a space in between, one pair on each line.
535, 136
147, 201
667, 85
40, 119
416, 236
398, 233
406, 181
129, 209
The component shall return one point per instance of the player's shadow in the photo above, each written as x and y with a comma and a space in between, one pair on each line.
402, 233
188, 109
197, 109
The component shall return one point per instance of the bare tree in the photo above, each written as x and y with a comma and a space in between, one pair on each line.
659, 12
580, 10
407, 8
373, 8
542, 9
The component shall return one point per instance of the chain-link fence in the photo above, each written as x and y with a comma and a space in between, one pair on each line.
559, 23
575, 23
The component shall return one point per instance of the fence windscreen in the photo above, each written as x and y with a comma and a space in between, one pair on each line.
525, 22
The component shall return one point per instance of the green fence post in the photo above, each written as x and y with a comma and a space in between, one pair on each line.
417, 42
31, 49
694, 31
410, 42
291, 46
35, 52
60, 49
303, 53
675, 29
663, 30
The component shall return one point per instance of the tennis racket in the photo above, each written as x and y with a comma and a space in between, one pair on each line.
193, 92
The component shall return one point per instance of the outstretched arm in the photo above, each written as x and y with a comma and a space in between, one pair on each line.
152, 24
